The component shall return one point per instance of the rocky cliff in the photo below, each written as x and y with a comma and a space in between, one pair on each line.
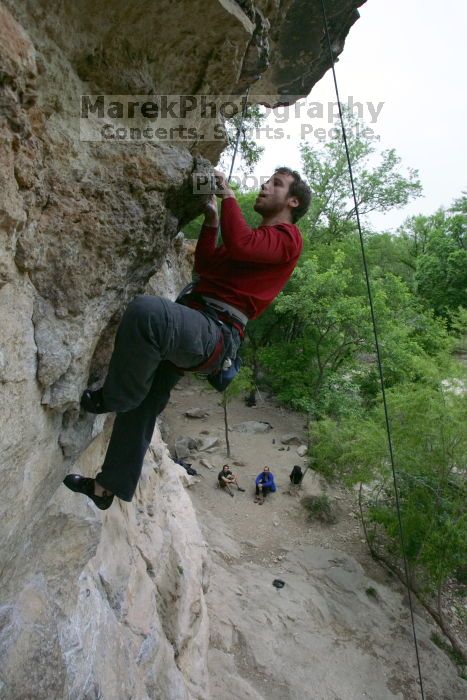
107, 606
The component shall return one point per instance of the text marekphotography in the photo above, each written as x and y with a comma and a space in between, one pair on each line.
198, 118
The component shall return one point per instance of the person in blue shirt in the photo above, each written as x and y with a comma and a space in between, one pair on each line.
264, 485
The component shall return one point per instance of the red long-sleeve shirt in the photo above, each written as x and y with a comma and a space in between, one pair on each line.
251, 266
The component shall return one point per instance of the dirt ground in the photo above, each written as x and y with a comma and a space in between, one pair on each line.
282, 522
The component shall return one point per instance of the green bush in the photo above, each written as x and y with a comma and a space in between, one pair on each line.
319, 508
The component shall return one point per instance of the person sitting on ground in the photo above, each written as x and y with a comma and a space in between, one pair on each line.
158, 339
225, 478
264, 484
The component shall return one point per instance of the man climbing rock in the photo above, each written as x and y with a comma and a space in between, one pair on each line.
157, 339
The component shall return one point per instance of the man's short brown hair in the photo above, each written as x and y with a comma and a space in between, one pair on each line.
299, 189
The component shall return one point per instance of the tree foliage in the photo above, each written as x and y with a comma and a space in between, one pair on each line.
439, 250
430, 448
380, 184
249, 151
321, 336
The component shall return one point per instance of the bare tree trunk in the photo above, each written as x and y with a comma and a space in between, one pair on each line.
438, 599
360, 505
307, 467
226, 427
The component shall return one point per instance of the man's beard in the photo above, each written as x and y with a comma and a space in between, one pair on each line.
267, 208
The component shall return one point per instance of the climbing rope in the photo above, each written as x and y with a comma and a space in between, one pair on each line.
378, 354
237, 141
239, 131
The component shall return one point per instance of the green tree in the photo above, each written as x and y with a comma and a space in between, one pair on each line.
249, 151
380, 185
439, 252
430, 447
320, 349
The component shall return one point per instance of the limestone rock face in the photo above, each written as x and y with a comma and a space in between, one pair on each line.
114, 606
96, 605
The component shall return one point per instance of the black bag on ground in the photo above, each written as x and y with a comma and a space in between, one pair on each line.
187, 466
296, 475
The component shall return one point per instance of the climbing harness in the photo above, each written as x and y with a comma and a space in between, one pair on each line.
377, 347
222, 366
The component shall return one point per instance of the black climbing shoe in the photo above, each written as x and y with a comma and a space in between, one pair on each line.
239, 488
81, 484
93, 401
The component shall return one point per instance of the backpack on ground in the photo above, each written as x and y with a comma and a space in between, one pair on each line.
296, 475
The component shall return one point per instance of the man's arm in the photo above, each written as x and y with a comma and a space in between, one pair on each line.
206, 245
272, 244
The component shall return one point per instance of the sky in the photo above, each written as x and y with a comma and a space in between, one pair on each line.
409, 55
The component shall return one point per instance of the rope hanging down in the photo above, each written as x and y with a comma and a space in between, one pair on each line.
239, 131
237, 141
378, 354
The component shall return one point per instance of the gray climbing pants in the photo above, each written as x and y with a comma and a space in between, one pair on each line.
156, 338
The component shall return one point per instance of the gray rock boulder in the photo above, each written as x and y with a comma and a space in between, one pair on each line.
207, 443
253, 426
291, 439
183, 446
205, 463
196, 413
